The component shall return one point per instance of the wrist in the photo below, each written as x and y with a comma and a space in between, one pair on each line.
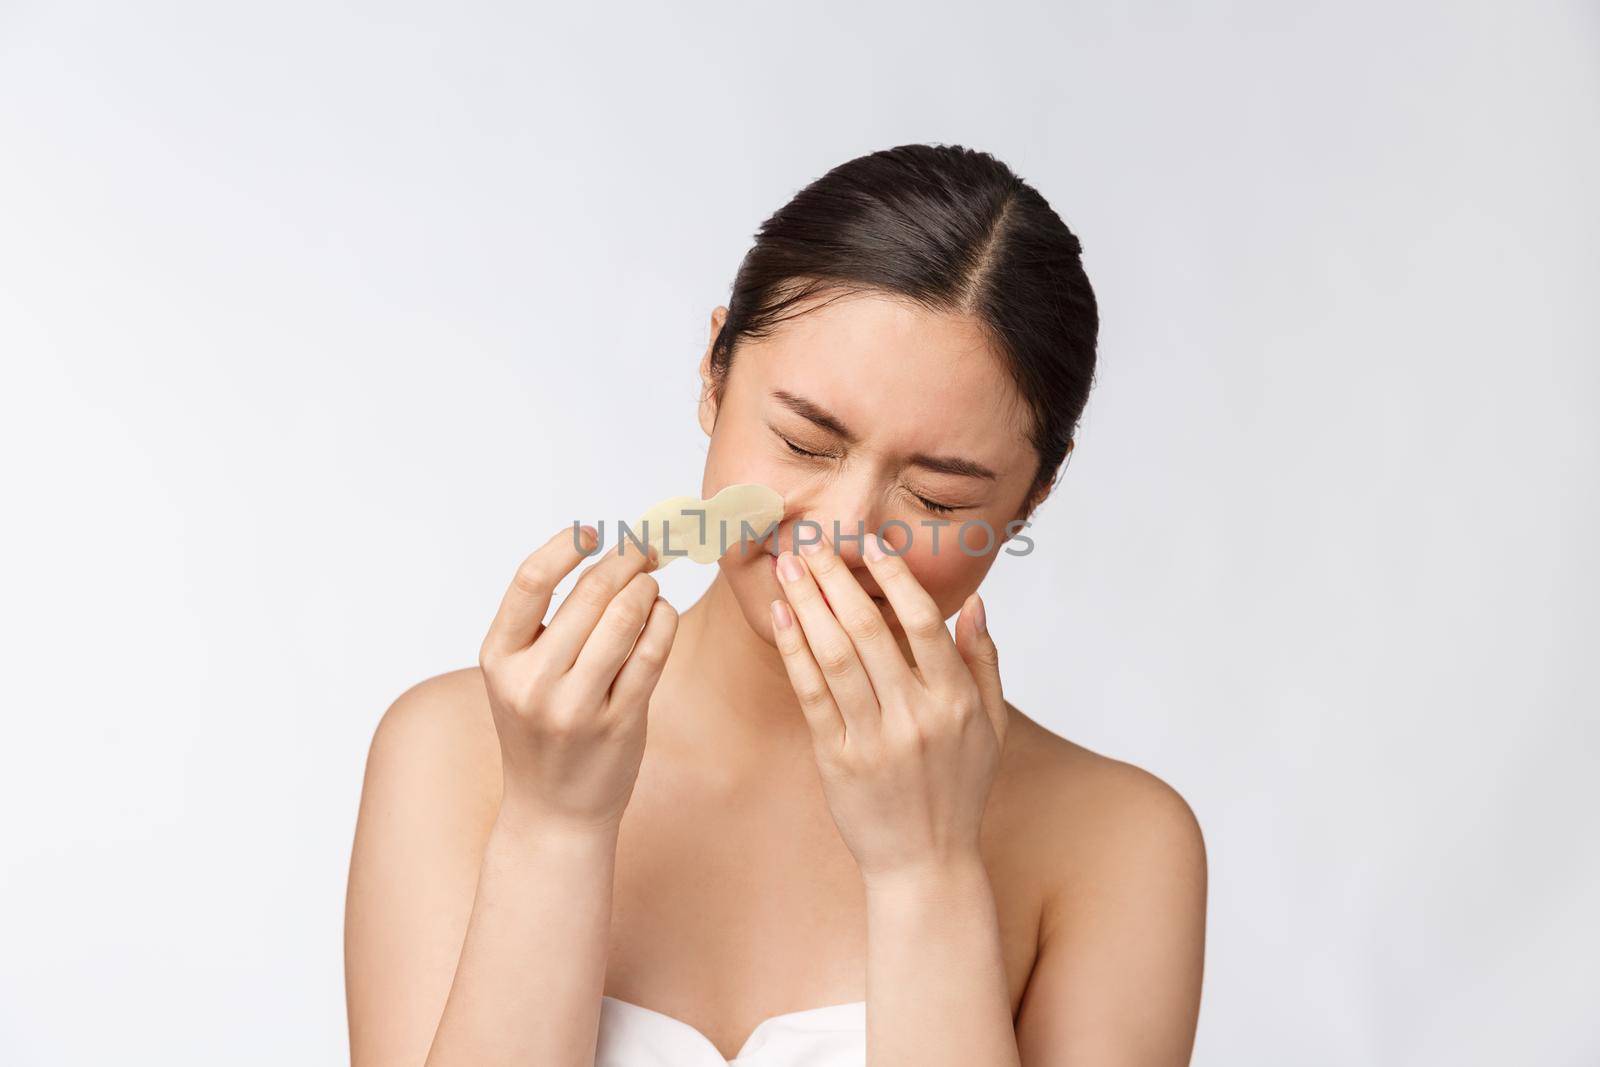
531, 825
957, 877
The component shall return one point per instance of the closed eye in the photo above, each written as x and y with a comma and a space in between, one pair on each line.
933, 505
797, 450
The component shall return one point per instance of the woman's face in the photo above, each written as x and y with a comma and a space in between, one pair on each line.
910, 420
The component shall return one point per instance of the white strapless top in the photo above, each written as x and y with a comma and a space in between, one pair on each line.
633, 1036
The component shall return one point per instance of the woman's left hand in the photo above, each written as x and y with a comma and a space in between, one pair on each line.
907, 754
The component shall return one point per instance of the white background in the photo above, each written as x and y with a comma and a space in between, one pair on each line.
314, 320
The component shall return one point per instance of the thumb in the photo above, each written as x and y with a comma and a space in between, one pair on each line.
978, 649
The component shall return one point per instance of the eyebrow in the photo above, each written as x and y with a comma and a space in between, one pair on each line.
820, 416
966, 468
814, 413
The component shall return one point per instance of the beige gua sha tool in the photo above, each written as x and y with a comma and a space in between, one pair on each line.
705, 530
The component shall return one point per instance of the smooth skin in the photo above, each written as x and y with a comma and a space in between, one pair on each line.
907, 756
835, 803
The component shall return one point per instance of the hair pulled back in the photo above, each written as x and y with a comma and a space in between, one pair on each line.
954, 230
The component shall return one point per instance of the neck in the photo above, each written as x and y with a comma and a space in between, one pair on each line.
725, 691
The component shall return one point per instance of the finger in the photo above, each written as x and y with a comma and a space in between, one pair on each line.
861, 620
920, 617
568, 630
830, 646
982, 657
805, 678
642, 669
614, 633
521, 613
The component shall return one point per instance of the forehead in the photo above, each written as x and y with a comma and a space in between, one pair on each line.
897, 372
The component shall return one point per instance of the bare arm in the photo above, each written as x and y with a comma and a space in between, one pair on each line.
936, 979
1122, 943
527, 989
477, 928
425, 816
434, 864
907, 758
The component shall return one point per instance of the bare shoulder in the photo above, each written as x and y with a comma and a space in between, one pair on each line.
428, 804
445, 716
434, 755
1086, 829
1113, 859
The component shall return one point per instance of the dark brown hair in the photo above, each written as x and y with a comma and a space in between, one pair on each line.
954, 230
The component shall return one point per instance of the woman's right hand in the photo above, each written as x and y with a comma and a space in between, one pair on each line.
569, 698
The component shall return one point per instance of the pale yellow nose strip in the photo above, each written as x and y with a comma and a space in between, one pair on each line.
705, 530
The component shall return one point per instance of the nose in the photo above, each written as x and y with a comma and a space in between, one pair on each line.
843, 514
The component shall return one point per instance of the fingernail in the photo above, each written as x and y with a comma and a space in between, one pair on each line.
873, 549
789, 568
811, 548
978, 619
781, 616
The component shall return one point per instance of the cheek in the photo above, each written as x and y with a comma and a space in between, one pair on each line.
948, 574
735, 455
754, 585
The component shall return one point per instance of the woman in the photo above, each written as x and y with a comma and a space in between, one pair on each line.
841, 844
